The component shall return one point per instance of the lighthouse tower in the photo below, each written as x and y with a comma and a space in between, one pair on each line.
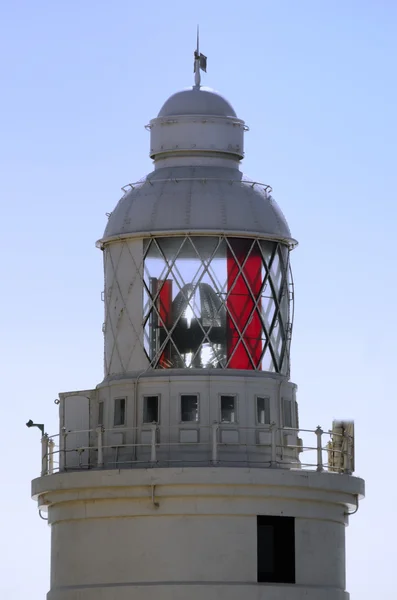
184, 473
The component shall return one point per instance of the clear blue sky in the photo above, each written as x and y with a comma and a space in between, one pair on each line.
316, 82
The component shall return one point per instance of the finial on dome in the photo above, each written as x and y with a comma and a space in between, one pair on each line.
200, 62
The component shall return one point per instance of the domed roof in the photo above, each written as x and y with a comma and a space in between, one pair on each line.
197, 101
197, 200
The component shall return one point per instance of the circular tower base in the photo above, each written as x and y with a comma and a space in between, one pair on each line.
196, 533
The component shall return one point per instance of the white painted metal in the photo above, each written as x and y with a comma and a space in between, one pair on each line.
195, 135
248, 442
76, 420
201, 101
198, 200
123, 266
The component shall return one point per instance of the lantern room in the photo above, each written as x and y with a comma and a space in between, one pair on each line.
197, 272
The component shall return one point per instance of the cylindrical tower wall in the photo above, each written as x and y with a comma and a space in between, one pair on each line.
195, 134
196, 532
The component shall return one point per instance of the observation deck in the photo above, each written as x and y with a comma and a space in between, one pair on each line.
260, 447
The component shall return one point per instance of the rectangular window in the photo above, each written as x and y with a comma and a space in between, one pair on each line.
151, 409
297, 414
189, 408
276, 549
263, 410
100, 413
119, 411
228, 409
287, 412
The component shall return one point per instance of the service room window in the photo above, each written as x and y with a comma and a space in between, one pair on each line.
228, 409
263, 410
276, 549
119, 411
287, 412
151, 409
100, 413
189, 408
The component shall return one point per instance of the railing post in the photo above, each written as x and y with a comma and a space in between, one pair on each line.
215, 427
44, 455
80, 453
99, 431
153, 457
273, 431
64, 434
51, 446
319, 432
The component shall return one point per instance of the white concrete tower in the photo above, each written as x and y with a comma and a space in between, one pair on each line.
183, 474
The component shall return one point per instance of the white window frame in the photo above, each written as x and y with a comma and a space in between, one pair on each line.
236, 407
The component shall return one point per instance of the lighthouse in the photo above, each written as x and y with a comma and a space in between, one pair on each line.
185, 473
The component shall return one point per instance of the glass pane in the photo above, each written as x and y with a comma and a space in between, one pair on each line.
215, 302
263, 410
228, 409
119, 411
189, 408
151, 409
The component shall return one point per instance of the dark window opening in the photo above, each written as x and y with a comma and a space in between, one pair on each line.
100, 413
297, 414
228, 409
189, 408
276, 549
119, 411
151, 409
263, 410
287, 412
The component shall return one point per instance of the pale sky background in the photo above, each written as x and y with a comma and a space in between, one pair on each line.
316, 83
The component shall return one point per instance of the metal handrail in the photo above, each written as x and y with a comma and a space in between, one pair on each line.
266, 187
51, 449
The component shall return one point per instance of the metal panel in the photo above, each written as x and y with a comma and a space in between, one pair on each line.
77, 424
198, 199
188, 436
229, 436
200, 102
264, 438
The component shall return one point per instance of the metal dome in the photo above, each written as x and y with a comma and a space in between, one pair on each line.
205, 199
197, 101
